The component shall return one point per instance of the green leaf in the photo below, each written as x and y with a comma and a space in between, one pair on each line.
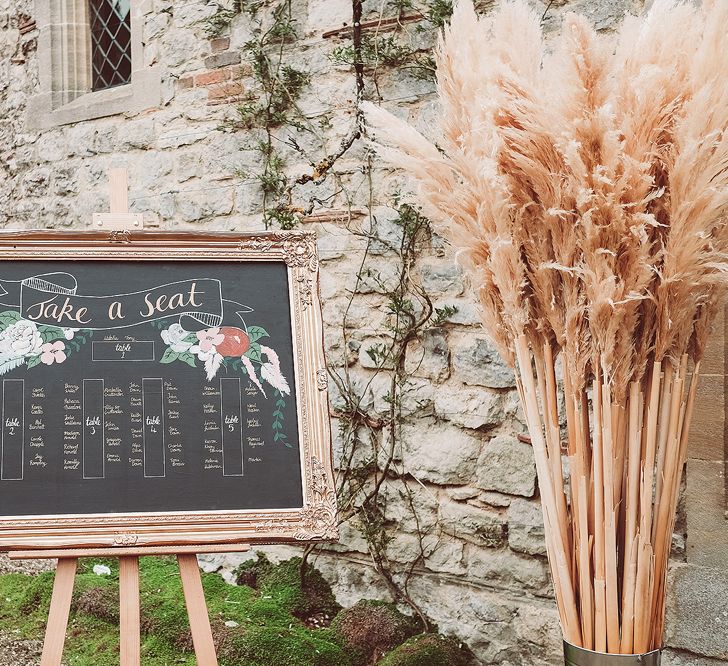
33, 361
190, 337
8, 317
256, 333
50, 333
188, 358
254, 353
169, 356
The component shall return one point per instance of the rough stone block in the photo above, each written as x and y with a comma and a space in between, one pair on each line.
507, 466
525, 527
248, 198
351, 579
214, 202
222, 59
706, 431
705, 513
447, 556
413, 507
382, 224
506, 570
36, 180
480, 618
539, 626
327, 14
466, 311
697, 615
463, 493
415, 395
469, 407
495, 499
675, 658
441, 276
180, 48
350, 539
219, 44
52, 147
603, 14
438, 453
213, 76
477, 362
225, 90
481, 526
374, 353
138, 133
178, 136
430, 356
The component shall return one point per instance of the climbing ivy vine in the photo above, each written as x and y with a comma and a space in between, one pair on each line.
371, 442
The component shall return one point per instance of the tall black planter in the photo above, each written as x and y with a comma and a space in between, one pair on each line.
575, 656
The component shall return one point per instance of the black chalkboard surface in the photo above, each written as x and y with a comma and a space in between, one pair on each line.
132, 386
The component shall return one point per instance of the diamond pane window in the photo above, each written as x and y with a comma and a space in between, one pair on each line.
110, 43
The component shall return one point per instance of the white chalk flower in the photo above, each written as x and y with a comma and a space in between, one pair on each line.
19, 340
174, 337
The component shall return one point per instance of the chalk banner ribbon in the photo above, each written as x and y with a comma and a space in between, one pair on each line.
51, 299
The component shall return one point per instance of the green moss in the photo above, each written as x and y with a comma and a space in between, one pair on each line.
370, 628
267, 624
289, 646
282, 583
428, 650
264, 630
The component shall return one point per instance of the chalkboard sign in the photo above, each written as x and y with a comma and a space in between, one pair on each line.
162, 389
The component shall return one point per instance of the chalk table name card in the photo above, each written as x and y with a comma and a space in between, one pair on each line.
162, 388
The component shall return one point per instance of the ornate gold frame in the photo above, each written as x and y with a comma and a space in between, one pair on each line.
316, 521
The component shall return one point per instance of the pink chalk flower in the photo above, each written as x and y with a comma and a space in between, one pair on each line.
210, 338
53, 352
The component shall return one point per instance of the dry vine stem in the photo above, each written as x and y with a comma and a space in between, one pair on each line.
586, 192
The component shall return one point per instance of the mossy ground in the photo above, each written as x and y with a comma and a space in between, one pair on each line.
274, 622
267, 632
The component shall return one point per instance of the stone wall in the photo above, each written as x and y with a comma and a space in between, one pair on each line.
464, 502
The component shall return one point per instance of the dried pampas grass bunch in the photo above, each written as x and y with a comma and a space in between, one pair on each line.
585, 190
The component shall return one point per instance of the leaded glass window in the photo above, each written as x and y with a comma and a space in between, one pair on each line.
110, 43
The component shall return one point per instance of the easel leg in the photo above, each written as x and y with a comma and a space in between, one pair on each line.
197, 610
129, 613
55, 637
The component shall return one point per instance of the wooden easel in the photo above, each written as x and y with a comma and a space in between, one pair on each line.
119, 219
129, 608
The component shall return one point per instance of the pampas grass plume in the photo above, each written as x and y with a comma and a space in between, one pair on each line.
584, 187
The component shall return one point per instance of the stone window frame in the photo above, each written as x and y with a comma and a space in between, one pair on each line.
64, 64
